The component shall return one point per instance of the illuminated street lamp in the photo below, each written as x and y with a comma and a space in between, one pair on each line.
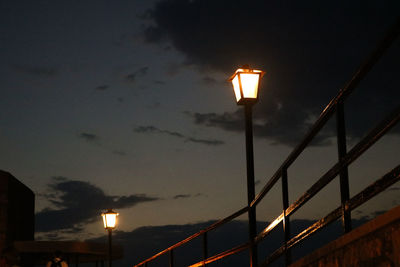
245, 83
110, 222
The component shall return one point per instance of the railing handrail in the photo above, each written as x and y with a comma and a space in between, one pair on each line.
374, 135
205, 230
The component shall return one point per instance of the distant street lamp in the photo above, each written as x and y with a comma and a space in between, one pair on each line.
110, 222
245, 83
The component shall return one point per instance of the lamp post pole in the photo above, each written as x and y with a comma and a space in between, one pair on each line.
109, 248
250, 183
245, 83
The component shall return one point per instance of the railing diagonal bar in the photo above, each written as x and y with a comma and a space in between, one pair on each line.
372, 137
372, 190
222, 255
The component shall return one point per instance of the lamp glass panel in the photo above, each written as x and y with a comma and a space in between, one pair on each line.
104, 220
236, 87
249, 84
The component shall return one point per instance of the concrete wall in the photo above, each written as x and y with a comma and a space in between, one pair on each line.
17, 211
376, 243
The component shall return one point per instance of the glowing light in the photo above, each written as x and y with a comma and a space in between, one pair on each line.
245, 83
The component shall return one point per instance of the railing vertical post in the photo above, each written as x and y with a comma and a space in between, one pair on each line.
286, 220
171, 258
344, 176
205, 247
250, 185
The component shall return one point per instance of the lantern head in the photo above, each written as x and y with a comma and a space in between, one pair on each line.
110, 219
245, 83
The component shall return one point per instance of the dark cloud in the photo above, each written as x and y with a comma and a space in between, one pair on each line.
308, 49
182, 196
53, 236
188, 195
210, 142
60, 234
153, 129
77, 203
234, 121
35, 70
131, 78
278, 33
102, 87
88, 137
74, 230
227, 121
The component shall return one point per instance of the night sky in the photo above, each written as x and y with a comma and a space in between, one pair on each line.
126, 104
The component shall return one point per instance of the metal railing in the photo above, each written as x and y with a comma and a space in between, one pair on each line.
339, 169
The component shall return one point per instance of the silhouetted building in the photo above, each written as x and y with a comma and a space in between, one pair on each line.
17, 211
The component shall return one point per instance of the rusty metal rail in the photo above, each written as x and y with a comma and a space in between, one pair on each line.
335, 106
